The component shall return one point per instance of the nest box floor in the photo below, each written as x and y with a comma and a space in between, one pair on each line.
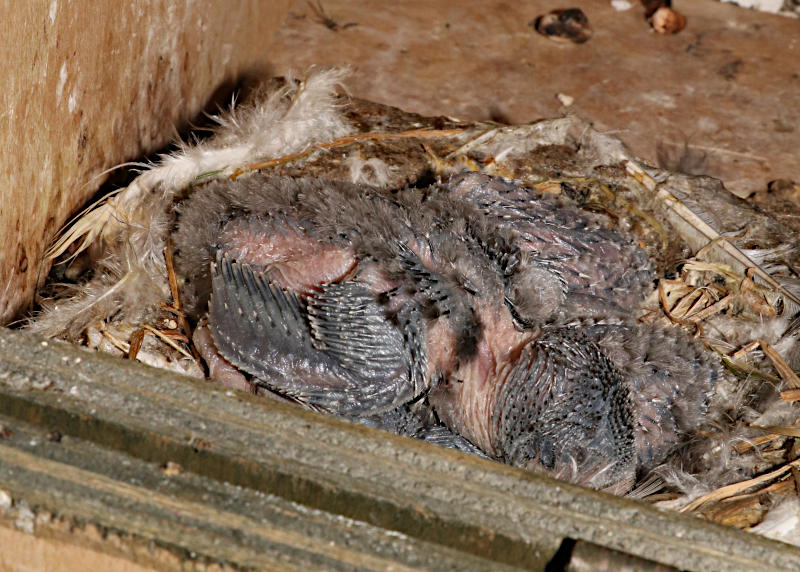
726, 88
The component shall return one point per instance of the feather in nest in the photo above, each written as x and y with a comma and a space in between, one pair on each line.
131, 225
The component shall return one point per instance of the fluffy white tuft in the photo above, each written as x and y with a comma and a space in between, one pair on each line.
132, 225
373, 171
782, 522
123, 284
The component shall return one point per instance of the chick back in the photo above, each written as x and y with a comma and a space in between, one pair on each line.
509, 313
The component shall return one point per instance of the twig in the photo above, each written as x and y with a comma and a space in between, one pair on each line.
662, 296
480, 139
744, 446
743, 369
176, 302
736, 488
164, 338
741, 352
790, 395
116, 342
778, 487
788, 431
349, 140
786, 372
135, 344
672, 202
684, 305
711, 310
730, 249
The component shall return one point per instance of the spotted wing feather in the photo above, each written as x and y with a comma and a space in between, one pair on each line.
333, 352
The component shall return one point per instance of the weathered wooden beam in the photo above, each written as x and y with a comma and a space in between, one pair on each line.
262, 483
194, 514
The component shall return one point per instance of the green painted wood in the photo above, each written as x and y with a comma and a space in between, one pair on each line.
440, 501
196, 515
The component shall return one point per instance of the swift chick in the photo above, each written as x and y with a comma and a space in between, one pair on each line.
506, 316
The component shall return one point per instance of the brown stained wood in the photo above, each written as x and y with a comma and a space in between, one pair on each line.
442, 498
89, 85
24, 552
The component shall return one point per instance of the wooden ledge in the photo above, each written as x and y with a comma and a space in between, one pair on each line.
229, 478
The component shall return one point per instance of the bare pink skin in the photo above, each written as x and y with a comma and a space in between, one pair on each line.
219, 369
465, 403
297, 262
222, 371
293, 260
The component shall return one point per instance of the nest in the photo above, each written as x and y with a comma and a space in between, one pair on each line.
727, 268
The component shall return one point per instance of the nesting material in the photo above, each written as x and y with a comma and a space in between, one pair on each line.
726, 273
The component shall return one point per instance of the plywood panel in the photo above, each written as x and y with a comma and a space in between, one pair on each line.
88, 85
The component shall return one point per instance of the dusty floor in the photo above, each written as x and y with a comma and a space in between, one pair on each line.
727, 87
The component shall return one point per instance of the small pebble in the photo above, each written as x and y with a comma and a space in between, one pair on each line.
566, 100
667, 21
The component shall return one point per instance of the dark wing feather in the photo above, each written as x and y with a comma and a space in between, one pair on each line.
334, 351
566, 406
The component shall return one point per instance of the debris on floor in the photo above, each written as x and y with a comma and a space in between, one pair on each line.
568, 25
789, 8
